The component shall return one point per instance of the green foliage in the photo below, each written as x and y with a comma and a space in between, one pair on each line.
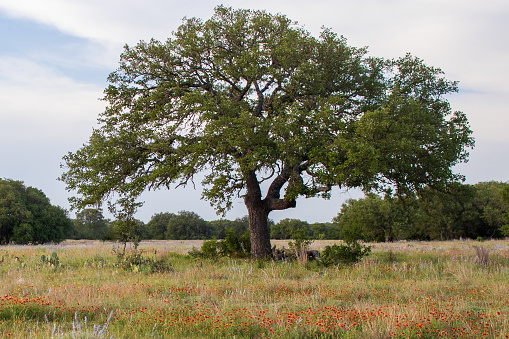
375, 219
491, 205
325, 230
158, 225
127, 230
91, 224
348, 253
504, 195
285, 228
27, 216
239, 226
467, 211
446, 213
232, 246
455, 211
187, 225
250, 96
209, 249
300, 241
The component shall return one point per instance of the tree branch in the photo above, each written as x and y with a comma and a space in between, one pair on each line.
278, 183
280, 204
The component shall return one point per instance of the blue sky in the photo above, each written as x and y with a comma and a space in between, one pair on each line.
55, 56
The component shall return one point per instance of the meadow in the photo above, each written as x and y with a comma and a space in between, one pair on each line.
80, 289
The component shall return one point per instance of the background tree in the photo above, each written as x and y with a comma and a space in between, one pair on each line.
91, 224
158, 225
222, 226
505, 197
458, 210
27, 216
491, 206
448, 214
325, 230
367, 219
285, 228
248, 97
12, 213
188, 225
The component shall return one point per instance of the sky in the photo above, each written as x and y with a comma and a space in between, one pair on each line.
55, 56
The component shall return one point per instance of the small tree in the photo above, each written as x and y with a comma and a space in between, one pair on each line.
125, 227
248, 96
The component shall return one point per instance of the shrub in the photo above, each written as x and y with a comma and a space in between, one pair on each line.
300, 246
209, 249
235, 246
348, 253
231, 246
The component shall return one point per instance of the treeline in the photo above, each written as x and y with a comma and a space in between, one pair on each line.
26, 216
185, 225
459, 211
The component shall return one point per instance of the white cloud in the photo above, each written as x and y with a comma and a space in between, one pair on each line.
39, 101
462, 37
46, 109
116, 21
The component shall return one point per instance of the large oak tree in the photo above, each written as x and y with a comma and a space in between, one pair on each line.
248, 97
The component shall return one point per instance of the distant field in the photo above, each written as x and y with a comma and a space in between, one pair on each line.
456, 289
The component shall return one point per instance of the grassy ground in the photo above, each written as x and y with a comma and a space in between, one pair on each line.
402, 290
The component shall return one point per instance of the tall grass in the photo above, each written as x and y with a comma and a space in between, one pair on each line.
402, 290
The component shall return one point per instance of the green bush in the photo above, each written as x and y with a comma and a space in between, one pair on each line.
348, 253
231, 246
209, 249
235, 246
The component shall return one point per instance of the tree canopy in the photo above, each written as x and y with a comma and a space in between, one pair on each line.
456, 211
91, 224
247, 97
27, 216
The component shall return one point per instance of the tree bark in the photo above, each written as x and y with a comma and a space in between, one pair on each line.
259, 231
258, 214
259, 209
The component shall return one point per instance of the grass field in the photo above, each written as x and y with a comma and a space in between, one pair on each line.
401, 290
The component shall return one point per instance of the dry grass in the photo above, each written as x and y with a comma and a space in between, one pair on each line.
405, 289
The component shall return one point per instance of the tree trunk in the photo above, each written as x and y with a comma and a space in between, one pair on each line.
258, 213
258, 210
259, 231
